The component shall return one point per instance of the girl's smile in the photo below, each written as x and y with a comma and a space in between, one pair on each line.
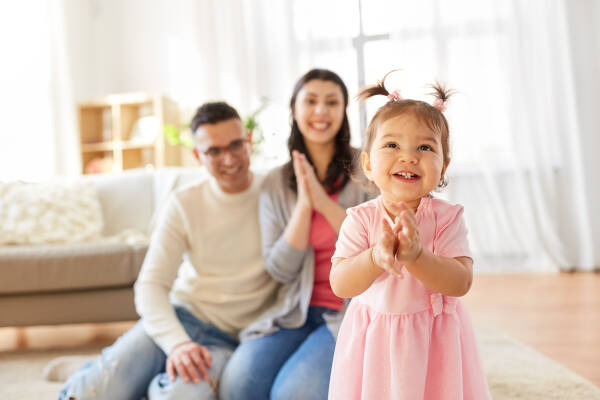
406, 161
406, 176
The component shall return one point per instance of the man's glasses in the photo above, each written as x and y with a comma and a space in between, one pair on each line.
234, 148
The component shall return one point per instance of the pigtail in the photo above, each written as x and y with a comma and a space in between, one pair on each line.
371, 91
374, 90
441, 94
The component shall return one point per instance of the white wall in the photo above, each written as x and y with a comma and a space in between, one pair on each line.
82, 54
121, 46
159, 46
169, 48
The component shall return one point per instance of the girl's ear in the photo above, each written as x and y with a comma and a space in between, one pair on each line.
366, 165
443, 181
445, 167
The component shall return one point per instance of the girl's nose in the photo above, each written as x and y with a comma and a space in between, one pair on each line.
408, 156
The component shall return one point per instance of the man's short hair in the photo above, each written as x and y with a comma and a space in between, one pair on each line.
211, 113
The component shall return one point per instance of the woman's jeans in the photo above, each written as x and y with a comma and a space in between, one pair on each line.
289, 364
134, 366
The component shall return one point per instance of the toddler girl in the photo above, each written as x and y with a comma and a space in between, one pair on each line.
405, 259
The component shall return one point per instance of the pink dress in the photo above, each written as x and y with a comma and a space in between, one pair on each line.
400, 339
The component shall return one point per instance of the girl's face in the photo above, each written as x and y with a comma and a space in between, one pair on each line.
405, 161
319, 111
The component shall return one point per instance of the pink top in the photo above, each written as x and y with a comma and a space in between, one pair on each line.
322, 239
442, 230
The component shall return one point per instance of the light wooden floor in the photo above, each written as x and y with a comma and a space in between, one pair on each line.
557, 314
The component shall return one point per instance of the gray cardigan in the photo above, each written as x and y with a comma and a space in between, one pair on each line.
292, 267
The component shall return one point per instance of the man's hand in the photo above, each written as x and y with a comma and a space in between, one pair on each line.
189, 360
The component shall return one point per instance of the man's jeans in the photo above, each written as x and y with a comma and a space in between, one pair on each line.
134, 366
289, 364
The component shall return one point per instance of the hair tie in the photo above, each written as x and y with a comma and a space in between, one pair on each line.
440, 105
394, 96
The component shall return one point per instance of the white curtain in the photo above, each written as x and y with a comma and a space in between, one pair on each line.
37, 110
521, 166
518, 162
523, 187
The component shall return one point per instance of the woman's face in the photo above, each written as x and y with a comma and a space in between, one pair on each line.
319, 111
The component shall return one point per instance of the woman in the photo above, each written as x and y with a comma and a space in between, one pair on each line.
287, 353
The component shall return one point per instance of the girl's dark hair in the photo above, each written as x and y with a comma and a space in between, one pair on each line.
428, 114
342, 163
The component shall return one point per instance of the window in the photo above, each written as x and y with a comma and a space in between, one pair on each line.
464, 44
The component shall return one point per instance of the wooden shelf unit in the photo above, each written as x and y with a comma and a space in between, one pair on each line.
106, 127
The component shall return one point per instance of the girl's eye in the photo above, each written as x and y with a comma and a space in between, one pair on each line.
309, 101
332, 103
425, 147
391, 146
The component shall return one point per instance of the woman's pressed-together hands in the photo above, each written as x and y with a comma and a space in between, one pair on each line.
311, 193
399, 243
312, 196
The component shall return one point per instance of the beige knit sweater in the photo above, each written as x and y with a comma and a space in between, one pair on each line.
222, 279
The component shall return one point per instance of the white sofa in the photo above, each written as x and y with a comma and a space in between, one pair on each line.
89, 282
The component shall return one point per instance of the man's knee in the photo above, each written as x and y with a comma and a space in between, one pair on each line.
162, 388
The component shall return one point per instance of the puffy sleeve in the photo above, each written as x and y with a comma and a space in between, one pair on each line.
353, 238
451, 234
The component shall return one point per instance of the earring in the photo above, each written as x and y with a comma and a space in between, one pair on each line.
443, 182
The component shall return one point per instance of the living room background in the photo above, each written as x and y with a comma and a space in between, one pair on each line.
524, 121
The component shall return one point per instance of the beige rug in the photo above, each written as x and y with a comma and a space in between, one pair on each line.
514, 372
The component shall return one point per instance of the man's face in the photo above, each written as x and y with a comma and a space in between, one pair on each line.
224, 148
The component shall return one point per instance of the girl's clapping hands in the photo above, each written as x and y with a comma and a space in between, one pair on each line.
398, 243
407, 233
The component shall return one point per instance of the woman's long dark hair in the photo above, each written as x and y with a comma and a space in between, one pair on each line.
342, 163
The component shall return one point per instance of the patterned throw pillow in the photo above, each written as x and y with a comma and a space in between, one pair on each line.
36, 213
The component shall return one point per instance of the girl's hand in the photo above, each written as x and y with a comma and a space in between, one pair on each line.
304, 200
384, 251
407, 234
318, 196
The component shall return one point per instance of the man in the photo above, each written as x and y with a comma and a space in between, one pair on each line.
191, 312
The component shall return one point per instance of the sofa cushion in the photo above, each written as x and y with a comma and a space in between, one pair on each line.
56, 212
126, 198
58, 267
